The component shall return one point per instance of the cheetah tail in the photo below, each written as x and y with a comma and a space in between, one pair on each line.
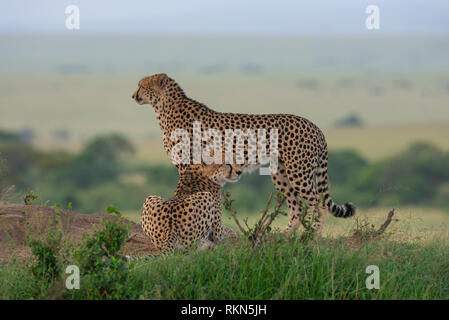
341, 211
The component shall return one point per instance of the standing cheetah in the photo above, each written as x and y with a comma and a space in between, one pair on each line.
194, 213
302, 149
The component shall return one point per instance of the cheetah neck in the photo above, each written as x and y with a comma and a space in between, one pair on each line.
190, 183
171, 107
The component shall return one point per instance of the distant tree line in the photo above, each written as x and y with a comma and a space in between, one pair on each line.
104, 173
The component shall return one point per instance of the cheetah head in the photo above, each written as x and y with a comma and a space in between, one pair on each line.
221, 174
150, 88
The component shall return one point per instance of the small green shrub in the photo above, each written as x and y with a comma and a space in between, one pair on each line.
30, 197
104, 271
46, 264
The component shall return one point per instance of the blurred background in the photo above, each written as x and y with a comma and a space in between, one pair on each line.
70, 132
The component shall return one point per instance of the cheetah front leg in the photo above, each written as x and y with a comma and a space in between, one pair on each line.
225, 233
206, 243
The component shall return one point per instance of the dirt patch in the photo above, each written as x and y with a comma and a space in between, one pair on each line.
14, 219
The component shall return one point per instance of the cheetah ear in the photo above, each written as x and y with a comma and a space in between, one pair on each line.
160, 79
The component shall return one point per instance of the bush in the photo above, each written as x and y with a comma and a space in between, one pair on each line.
46, 265
343, 165
104, 271
99, 162
413, 177
17, 165
9, 137
352, 120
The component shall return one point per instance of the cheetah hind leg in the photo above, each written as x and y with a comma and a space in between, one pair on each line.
313, 220
319, 221
282, 184
226, 234
205, 244
312, 216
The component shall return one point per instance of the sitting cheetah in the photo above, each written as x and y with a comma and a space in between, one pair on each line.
194, 213
302, 149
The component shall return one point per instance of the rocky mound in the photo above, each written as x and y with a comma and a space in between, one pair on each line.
17, 221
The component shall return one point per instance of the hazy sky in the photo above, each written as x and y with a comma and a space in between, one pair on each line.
230, 17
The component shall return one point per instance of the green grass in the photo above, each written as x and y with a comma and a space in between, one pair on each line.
281, 269
294, 270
